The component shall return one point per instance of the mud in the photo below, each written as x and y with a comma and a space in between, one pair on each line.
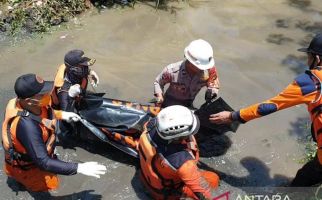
255, 44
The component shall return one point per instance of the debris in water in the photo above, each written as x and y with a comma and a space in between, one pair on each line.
282, 23
296, 63
63, 36
309, 26
278, 39
302, 4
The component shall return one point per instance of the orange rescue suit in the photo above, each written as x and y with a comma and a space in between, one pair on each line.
164, 181
305, 89
17, 162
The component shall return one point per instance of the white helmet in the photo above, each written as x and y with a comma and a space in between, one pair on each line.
175, 122
200, 54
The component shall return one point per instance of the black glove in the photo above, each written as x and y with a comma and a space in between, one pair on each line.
209, 96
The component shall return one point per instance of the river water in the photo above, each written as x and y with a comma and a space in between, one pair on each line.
254, 43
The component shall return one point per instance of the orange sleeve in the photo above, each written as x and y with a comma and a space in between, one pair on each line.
190, 175
58, 114
290, 96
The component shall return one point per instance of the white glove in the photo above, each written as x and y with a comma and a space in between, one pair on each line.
91, 169
70, 117
74, 90
94, 78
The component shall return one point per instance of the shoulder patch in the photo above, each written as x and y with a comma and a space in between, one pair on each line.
175, 67
306, 83
266, 108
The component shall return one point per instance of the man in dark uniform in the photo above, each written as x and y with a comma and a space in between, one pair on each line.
28, 135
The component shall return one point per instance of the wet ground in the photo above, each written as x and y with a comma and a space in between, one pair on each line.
255, 44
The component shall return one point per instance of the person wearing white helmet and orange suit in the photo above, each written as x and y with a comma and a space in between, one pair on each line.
188, 76
169, 155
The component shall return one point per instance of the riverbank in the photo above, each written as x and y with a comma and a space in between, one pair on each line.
22, 17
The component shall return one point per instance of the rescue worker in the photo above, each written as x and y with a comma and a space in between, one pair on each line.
169, 154
187, 77
28, 135
305, 89
71, 80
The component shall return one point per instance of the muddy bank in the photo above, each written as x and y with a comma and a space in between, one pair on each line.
23, 18
255, 46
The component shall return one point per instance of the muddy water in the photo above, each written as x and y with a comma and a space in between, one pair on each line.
255, 44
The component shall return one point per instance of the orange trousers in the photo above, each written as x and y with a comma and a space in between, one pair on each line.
211, 177
34, 179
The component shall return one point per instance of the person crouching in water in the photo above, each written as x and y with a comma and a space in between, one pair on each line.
28, 135
169, 155
71, 80
188, 76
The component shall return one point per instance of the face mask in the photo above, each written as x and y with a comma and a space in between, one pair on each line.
40, 101
45, 101
80, 72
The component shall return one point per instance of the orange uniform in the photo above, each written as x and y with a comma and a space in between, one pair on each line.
169, 171
28, 142
305, 89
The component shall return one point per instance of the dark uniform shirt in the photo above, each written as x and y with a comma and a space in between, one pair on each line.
29, 135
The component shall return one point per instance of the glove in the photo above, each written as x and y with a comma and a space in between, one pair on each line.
94, 78
74, 90
91, 169
209, 96
70, 117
